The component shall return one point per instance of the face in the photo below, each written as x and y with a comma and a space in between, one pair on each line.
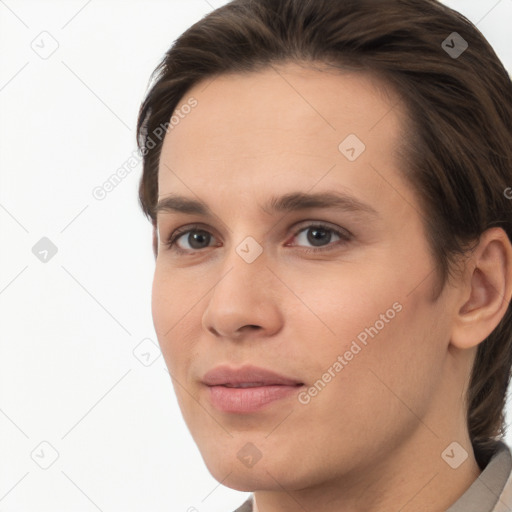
337, 298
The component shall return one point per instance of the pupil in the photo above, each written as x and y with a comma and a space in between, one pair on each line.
196, 237
323, 234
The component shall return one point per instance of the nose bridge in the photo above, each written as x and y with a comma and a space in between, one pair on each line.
241, 296
244, 267
246, 244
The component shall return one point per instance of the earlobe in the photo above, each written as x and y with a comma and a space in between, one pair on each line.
487, 289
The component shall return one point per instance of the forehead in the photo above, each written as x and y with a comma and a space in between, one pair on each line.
286, 122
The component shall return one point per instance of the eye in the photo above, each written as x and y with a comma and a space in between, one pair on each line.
320, 236
197, 239
317, 234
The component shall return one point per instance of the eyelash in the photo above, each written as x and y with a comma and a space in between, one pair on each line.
344, 238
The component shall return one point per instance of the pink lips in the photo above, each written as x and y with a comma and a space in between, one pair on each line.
247, 389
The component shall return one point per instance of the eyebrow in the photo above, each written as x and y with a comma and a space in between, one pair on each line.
294, 201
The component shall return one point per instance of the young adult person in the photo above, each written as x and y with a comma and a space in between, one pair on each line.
329, 187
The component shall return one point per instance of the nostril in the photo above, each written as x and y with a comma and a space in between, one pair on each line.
251, 327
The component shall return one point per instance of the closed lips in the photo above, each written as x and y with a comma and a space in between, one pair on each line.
254, 384
246, 377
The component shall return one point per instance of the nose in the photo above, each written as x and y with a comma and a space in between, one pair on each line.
245, 302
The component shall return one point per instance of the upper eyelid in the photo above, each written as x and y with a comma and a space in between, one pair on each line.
297, 228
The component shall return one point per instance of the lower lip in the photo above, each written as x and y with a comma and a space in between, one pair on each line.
244, 400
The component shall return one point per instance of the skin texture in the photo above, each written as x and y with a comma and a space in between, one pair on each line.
372, 439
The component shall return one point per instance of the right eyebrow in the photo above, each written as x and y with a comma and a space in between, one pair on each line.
295, 201
182, 204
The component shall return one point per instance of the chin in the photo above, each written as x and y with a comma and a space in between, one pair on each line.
246, 480
230, 471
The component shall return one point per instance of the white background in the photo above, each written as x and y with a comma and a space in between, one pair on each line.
68, 373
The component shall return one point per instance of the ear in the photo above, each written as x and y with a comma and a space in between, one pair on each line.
486, 289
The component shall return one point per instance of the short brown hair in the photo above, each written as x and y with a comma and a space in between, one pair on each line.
458, 154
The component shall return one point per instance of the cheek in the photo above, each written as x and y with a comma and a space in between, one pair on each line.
175, 322
169, 306
161, 303
372, 319
388, 367
342, 307
175, 295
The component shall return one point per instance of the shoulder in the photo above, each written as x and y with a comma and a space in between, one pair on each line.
247, 506
503, 458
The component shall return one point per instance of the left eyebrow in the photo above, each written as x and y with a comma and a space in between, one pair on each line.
297, 201
294, 201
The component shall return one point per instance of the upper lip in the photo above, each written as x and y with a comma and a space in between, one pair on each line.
224, 375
